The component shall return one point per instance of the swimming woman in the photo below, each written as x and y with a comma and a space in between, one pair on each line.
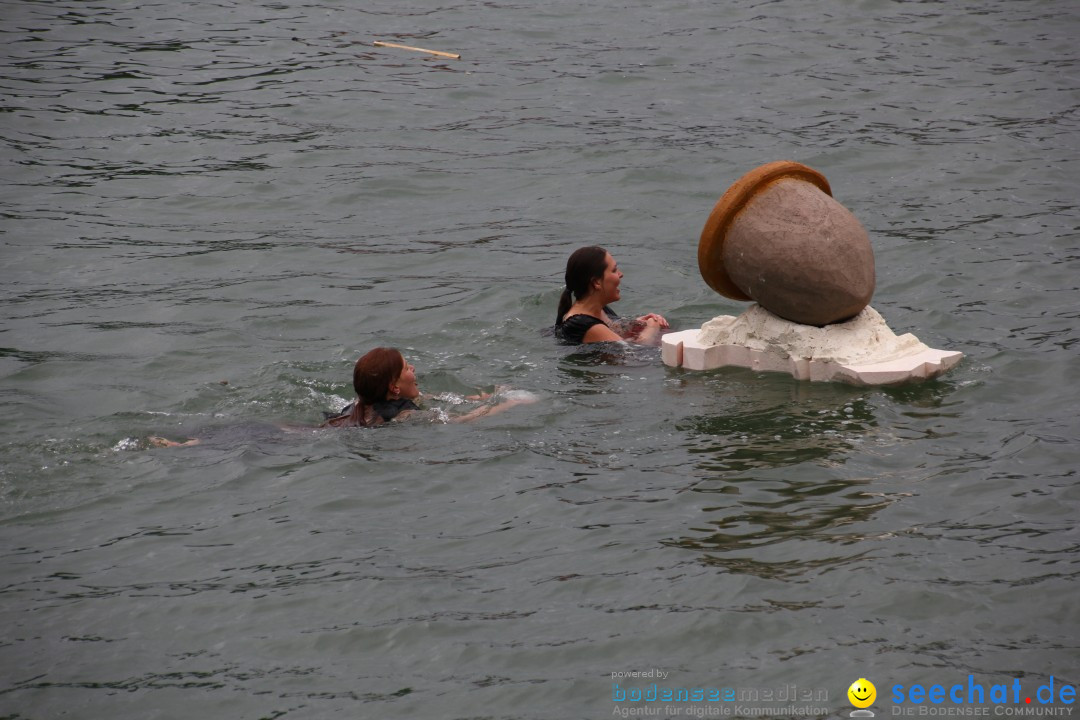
592, 284
386, 391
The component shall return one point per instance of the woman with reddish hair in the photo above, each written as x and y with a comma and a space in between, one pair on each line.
386, 391
385, 388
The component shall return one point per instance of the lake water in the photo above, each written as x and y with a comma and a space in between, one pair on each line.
211, 209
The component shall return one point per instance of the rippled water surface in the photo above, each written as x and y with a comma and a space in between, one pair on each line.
210, 209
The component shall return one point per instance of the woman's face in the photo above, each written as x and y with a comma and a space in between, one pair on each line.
608, 283
406, 383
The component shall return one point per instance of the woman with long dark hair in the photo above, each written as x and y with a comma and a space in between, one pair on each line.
585, 316
387, 390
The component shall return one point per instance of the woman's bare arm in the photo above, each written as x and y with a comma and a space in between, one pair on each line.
600, 333
518, 397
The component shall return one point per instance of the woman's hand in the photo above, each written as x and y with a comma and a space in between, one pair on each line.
659, 319
509, 397
647, 328
505, 398
487, 395
160, 442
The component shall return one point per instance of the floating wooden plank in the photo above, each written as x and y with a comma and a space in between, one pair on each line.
440, 53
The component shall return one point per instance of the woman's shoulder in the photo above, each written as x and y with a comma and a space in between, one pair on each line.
572, 329
376, 414
390, 409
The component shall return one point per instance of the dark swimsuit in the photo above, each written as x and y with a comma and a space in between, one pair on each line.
571, 331
392, 408
387, 410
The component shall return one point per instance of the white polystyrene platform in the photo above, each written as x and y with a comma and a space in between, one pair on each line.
682, 349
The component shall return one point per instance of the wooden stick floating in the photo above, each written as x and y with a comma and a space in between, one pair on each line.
440, 53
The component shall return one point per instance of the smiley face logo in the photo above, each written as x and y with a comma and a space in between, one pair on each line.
862, 693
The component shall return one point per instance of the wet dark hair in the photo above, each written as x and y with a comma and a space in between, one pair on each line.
373, 375
585, 265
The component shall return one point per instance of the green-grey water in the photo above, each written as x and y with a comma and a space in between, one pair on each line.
211, 209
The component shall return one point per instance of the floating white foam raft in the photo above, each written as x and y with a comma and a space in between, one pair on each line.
861, 351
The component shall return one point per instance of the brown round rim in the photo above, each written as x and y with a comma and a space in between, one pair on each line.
711, 245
